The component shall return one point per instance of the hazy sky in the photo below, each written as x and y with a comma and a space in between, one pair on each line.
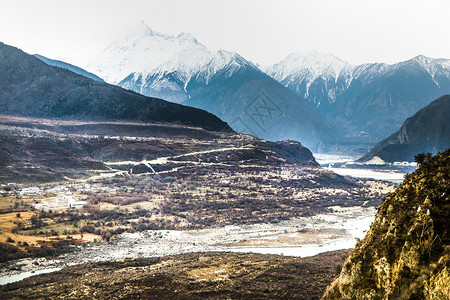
263, 31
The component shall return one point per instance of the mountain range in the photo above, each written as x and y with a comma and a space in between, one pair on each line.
181, 69
30, 87
315, 98
427, 131
252, 102
64, 65
368, 100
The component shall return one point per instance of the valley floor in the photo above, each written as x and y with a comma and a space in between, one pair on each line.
86, 197
216, 275
300, 237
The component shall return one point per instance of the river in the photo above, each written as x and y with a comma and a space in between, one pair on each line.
304, 236
336, 231
388, 173
17, 277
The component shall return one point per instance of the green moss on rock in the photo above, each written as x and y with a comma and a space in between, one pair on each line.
406, 253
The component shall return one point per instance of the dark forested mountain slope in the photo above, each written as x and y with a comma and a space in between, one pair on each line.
64, 65
427, 131
30, 87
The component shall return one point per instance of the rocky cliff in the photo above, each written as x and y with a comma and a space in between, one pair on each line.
406, 253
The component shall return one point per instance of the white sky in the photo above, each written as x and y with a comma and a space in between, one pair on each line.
357, 31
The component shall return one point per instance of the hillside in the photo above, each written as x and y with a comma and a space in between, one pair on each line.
34, 150
427, 131
405, 254
187, 276
30, 87
251, 102
64, 65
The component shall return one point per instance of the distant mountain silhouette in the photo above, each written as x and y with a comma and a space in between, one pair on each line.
64, 65
428, 131
30, 87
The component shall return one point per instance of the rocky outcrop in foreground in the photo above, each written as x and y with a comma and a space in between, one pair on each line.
406, 253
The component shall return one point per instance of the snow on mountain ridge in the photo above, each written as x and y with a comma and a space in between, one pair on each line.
224, 60
300, 71
162, 65
299, 68
146, 51
313, 65
310, 66
433, 65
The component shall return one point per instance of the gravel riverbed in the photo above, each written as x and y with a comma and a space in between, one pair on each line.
307, 236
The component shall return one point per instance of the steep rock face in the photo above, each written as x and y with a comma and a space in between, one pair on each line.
406, 253
427, 131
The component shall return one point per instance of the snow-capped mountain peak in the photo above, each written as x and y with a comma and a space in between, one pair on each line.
224, 58
432, 65
224, 62
187, 37
144, 29
323, 78
146, 51
299, 68
299, 71
309, 66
